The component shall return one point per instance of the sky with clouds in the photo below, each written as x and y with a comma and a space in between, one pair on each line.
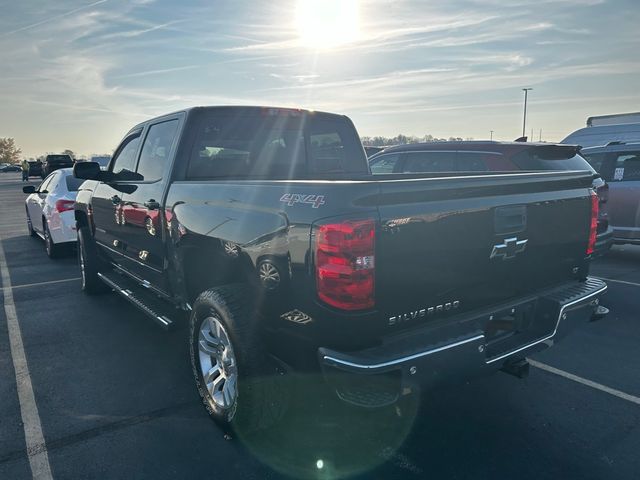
78, 74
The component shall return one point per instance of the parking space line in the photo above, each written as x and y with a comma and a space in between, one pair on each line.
38, 284
34, 438
619, 281
584, 381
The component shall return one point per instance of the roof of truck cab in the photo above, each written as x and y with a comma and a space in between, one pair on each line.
245, 109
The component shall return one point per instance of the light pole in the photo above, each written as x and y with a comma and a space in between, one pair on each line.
491, 135
524, 120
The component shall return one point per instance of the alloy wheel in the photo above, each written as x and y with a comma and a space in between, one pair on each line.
269, 275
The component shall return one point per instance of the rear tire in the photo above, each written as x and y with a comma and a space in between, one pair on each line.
32, 232
89, 263
53, 250
249, 393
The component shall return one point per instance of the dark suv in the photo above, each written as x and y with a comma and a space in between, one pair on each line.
35, 168
55, 162
483, 156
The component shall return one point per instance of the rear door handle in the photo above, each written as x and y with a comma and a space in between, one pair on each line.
152, 204
116, 199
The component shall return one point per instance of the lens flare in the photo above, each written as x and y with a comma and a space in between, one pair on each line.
326, 24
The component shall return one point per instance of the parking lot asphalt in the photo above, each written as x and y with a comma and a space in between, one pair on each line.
114, 396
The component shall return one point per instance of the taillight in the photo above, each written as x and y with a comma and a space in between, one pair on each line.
345, 264
603, 193
64, 205
594, 223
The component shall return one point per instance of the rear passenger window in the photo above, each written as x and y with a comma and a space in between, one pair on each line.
384, 163
624, 168
156, 150
429, 162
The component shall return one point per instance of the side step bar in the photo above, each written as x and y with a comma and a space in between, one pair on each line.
144, 301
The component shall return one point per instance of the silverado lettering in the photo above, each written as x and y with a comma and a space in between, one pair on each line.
424, 312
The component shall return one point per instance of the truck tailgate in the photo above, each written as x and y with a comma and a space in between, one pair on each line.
448, 245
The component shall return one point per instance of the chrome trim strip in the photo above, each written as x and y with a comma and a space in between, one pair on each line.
127, 293
135, 278
338, 362
108, 248
553, 334
390, 363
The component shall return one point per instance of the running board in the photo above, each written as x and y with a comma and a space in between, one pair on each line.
144, 300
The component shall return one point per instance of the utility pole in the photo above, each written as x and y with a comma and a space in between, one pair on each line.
491, 135
540, 137
524, 120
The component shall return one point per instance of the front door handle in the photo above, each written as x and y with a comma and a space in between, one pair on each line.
152, 204
116, 199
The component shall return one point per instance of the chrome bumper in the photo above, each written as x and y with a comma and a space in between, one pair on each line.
454, 352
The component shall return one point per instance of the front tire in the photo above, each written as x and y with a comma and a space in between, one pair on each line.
89, 263
240, 386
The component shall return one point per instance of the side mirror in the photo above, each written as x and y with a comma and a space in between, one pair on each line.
87, 170
29, 189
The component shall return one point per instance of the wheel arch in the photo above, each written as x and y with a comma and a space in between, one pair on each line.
214, 268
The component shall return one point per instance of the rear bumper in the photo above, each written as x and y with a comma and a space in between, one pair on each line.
622, 235
604, 241
456, 351
62, 227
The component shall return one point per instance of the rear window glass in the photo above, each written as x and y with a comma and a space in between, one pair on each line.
59, 158
595, 160
274, 146
73, 183
551, 158
333, 147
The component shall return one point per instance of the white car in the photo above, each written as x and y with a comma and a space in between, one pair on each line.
50, 210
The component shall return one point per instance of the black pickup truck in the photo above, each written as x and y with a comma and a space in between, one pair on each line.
265, 228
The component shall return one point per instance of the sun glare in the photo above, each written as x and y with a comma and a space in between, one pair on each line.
325, 24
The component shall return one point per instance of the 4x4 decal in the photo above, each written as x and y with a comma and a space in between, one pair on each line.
292, 198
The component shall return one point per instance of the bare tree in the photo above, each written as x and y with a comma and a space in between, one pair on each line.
9, 153
404, 139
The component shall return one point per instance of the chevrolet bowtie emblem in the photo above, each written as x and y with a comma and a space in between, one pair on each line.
509, 248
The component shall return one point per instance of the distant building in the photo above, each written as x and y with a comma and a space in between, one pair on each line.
615, 119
